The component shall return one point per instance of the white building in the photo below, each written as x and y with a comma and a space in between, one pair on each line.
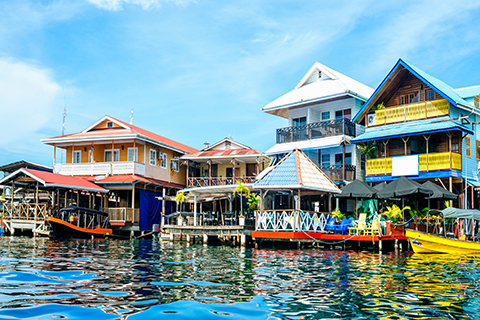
319, 112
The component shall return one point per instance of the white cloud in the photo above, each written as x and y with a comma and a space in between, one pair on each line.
116, 5
28, 97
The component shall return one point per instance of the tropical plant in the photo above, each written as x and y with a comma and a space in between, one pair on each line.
447, 204
414, 211
368, 149
339, 216
394, 213
253, 202
2, 197
180, 198
242, 190
379, 106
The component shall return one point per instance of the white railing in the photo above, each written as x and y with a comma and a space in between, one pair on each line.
290, 220
100, 168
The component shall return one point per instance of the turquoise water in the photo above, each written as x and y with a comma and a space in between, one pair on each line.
141, 279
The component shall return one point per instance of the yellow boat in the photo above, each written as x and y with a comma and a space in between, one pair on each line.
423, 242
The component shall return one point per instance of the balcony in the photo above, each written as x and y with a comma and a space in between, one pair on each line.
193, 182
338, 174
123, 216
100, 168
436, 162
409, 112
316, 130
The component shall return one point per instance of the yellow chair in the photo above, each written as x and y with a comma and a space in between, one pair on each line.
360, 224
373, 229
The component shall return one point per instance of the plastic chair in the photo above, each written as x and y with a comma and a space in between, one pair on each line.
360, 224
330, 224
343, 226
374, 227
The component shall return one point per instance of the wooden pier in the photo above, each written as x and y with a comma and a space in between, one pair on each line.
235, 235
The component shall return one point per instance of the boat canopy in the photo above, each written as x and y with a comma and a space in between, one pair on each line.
461, 213
75, 208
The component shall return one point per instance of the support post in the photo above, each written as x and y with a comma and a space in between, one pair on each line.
195, 209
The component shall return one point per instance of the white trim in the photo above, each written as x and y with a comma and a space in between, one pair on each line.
113, 155
316, 66
75, 153
103, 119
135, 155
154, 158
227, 139
47, 185
13, 174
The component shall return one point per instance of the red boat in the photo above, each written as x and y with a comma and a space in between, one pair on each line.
77, 222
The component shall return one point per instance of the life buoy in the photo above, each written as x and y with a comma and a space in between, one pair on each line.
1, 224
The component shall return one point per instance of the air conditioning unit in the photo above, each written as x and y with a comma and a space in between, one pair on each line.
371, 119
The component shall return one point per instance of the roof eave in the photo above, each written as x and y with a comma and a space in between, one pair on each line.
300, 103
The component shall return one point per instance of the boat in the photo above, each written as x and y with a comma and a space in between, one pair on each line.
457, 234
77, 222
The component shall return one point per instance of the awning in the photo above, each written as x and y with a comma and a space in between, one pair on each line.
128, 179
54, 180
357, 189
461, 213
321, 143
408, 129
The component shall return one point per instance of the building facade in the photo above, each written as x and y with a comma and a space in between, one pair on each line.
319, 112
418, 126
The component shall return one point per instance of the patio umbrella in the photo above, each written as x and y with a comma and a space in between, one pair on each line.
357, 189
439, 192
403, 187
380, 186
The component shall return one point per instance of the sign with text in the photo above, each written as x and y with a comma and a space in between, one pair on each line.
405, 165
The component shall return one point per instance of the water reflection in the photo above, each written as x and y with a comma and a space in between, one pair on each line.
108, 279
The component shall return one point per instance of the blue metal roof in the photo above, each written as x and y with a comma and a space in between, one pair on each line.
468, 92
284, 174
409, 129
439, 86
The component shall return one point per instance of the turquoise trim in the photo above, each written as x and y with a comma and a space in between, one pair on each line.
421, 175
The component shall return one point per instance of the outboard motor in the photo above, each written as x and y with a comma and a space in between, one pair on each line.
155, 231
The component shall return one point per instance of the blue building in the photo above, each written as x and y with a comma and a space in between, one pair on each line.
418, 126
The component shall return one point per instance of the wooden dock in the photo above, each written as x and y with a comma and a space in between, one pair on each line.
236, 235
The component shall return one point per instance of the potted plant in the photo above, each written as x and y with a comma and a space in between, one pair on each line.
339, 216
180, 198
417, 215
253, 205
242, 189
394, 214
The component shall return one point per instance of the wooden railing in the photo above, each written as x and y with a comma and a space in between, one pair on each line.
337, 173
25, 211
410, 112
206, 182
127, 215
316, 130
290, 220
436, 161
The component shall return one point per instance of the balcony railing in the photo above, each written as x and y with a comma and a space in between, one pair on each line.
25, 211
123, 215
100, 168
316, 130
338, 174
409, 112
207, 182
436, 161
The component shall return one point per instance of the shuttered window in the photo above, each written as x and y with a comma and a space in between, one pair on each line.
468, 145
477, 143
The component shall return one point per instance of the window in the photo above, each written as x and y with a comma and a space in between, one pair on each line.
326, 115
429, 95
109, 124
477, 145
468, 150
339, 159
108, 155
347, 113
476, 103
163, 158
77, 156
90, 155
455, 145
413, 97
132, 154
338, 114
153, 157
228, 144
299, 121
400, 100
174, 165
325, 160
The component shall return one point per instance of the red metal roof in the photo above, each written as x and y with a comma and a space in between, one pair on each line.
132, 130
54, 179
133, 178
223, 153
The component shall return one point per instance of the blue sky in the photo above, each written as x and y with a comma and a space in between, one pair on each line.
197, 71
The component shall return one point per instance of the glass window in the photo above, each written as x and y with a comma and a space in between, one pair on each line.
77, 156
132, 154
299, 121
455, 145
326, 115
90, 155
109, 124
468, 146
108, 155
338, 114
400, 100
153, 157
163, 157
347, 113
174, 165
429, 95
325, 160
339, 159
